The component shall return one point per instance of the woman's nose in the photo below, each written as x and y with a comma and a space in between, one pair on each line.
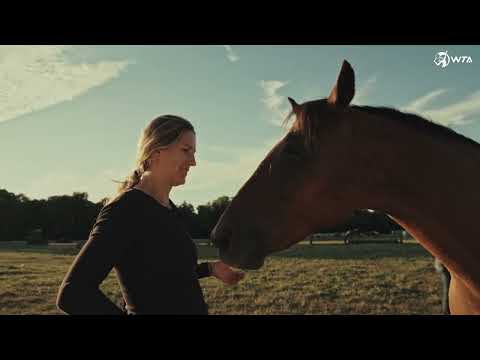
193, 162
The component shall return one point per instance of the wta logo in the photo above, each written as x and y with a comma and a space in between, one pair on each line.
442, 59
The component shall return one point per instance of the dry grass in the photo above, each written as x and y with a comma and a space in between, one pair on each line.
330, 278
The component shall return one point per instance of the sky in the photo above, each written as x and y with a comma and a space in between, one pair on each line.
71, 116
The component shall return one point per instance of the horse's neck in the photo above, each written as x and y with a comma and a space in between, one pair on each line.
430, 187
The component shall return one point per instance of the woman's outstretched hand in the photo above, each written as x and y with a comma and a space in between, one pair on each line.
225, 273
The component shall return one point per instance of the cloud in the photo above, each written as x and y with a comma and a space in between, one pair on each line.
420, 103
38, 76
364, 91
458, 113
205, 182
230, 54
210, 177
277, 104
236, 171
63, 183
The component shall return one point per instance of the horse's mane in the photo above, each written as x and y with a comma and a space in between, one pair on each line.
418, 123
314, 109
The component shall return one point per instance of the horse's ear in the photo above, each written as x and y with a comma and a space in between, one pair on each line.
295, 106
344, 90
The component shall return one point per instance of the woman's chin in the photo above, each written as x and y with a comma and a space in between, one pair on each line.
179, 182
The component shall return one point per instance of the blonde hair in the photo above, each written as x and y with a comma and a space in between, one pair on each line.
160, 133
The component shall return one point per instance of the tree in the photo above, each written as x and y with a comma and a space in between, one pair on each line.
71, 217
190, 219
210, 213
13, 211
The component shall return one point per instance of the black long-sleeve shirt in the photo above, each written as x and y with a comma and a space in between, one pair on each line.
154, 258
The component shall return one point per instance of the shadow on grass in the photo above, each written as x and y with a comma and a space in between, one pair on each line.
304, 251
341, 252
355, 252
38, 249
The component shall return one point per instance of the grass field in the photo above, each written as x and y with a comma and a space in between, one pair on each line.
326, 278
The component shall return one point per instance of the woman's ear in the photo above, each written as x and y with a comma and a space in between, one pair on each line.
154, 157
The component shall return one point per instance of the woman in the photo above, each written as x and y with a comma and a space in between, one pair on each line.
140, 234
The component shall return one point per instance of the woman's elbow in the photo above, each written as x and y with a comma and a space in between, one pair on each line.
66, 298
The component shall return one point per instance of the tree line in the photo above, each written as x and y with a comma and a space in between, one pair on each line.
70, 218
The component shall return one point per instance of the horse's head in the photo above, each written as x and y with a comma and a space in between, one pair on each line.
298, 188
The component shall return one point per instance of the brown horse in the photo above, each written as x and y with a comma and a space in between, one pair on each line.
337, 158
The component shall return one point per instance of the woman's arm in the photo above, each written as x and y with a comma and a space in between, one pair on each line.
221, 271
108, 240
